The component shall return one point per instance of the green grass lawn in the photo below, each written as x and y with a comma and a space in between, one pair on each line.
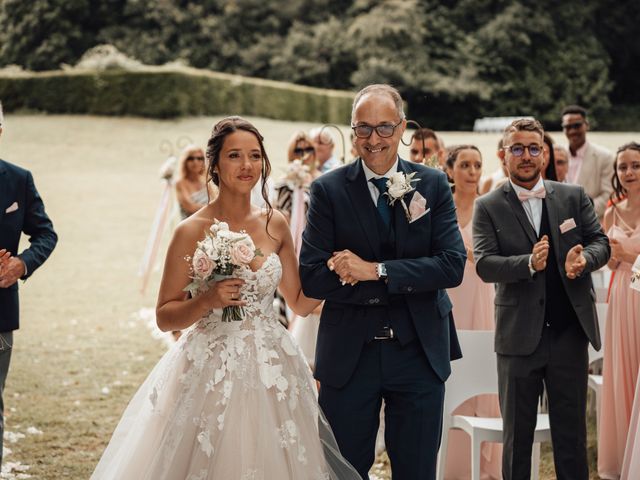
81, 353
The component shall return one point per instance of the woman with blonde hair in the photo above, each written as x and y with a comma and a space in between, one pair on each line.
293, 201
191, 188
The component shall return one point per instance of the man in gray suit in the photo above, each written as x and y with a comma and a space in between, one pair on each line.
538, 241
590, 165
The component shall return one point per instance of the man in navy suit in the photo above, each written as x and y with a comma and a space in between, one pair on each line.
21, 210
381, 256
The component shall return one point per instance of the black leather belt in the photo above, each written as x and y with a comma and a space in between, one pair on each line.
385, 333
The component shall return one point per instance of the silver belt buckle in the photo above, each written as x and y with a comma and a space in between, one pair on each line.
386, 337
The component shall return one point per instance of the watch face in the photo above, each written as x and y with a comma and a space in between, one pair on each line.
382, 270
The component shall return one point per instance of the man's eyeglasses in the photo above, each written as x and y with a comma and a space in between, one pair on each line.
193, 157
517, 149
303, 151
572, 126
383, 130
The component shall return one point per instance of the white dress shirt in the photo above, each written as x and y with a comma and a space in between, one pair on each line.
369, 174
532, 206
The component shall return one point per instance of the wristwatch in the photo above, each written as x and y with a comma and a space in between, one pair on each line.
381, 271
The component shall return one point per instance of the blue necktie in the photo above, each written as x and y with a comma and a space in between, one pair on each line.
384, 209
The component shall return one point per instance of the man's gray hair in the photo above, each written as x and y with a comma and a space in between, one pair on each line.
322, 134
383, 89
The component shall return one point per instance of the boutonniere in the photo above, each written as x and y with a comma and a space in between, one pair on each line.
398, 186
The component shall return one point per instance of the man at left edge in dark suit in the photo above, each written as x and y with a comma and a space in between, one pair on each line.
21, 210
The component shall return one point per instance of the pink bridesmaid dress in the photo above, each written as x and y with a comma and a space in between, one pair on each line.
473, 309
621, 357
631, 463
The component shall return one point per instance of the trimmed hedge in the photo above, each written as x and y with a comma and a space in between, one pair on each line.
159, 92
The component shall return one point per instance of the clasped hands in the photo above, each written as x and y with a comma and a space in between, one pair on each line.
574, 264
350, 268
11, 268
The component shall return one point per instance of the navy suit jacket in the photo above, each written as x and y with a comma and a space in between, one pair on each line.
17, 187
429, 257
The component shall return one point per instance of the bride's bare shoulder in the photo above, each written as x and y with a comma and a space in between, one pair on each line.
191, 229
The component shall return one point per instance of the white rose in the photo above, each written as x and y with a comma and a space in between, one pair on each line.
396, 190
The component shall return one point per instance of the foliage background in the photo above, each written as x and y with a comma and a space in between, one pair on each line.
453, 60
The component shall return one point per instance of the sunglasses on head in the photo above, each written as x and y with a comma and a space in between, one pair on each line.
194, 157
572, 126
302, 151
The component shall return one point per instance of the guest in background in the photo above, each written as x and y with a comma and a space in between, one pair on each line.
473, 309
622, 338
561, 157
590, 165
424, 145
191, 187
324, 144
293, 202
497, 178
549, 167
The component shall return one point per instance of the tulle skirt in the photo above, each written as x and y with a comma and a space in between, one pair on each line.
226, 403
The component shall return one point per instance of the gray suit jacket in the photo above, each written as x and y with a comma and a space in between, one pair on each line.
595, 176
503, 239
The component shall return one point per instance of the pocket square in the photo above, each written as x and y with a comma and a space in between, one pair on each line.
568, 224
12, 208
418, 207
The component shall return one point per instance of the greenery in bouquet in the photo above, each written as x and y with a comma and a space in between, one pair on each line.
216, 257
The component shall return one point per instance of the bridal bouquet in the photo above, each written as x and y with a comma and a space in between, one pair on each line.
217, 256
298, 175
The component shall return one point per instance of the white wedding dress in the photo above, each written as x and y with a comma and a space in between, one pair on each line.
228, 401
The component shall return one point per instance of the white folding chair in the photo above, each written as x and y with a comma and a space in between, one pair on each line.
595, 381
475, 374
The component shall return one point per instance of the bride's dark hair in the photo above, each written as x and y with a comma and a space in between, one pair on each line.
225, 127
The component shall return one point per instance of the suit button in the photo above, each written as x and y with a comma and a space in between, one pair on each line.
372, 301
541, 301
409, 289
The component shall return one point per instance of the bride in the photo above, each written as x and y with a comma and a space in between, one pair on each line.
230, 400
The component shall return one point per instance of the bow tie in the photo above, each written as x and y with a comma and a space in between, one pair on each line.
527, 194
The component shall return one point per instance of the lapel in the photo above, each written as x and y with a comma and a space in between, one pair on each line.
4, 189
585, 175
552, 205
402, 224
358, 192
518, 211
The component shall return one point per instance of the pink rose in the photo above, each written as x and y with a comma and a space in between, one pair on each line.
241, 253
202, 264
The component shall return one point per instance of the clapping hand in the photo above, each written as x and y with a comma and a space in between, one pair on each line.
575, 262
350, 268
11, 269
540, 253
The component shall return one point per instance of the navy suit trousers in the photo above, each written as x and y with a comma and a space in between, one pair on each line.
413, 396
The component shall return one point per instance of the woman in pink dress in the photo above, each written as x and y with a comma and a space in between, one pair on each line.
473, 309
622, 337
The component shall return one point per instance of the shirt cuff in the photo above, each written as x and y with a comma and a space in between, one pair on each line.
532, 271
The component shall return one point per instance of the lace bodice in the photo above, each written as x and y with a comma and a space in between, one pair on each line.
258, 293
